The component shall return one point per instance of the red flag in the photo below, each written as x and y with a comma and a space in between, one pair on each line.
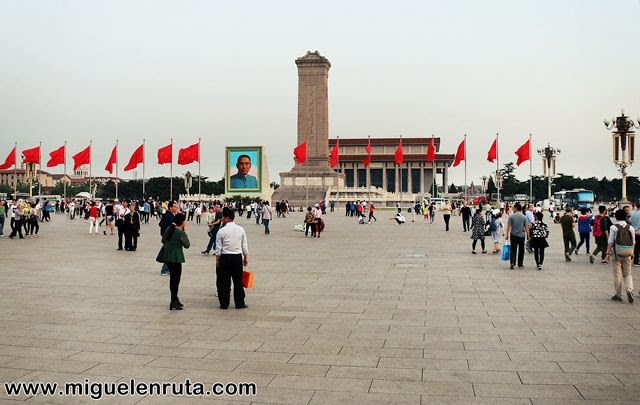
165, 154
136, 158
334, 156
31, 155
300, 153
189, 154
493, 152
459, 154
431, 151
398, 157
113, 159
10, 160
57, 157
524, 152
82, 158
367, 161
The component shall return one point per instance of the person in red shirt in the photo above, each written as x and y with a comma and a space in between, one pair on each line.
371, 211
93, 217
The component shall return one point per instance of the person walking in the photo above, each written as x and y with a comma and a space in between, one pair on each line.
477, 231
214, 219
567, 223
584, 230
232, 254
517, 229
93, 217
432, 212
465, 211
165, 222
266, 216
17, 221
497, 230
601, 225
372, 209
317, 219
635, 223
122, 210
446, 214
174, 240
3, 214
132, 228
109, 217
539, 234
33, 219
621, 243
309, 223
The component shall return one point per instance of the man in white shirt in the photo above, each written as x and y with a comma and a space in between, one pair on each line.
232, 252
622, 255
266, 217
123, 210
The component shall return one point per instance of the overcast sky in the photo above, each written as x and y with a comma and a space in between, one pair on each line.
225, 72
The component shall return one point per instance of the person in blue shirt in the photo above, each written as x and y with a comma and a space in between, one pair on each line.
243, 179
584, 229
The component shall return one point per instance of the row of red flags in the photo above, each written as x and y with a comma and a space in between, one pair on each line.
523, 153
186, 156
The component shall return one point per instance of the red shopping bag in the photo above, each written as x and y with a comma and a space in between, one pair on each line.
247, 279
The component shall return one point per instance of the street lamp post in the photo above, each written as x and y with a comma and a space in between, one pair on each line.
623, 140
498, 183
484, 184
549, 155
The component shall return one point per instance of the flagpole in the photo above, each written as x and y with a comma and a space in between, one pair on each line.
64, 182
15, 171
530, 173
199, 190
143, 166
39, 170
369, 174
117, 169
400, 170
171, 173
465, 168
497, 182
434, 184
90, 175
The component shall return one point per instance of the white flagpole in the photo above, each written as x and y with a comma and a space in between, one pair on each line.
434, 183
368, 178
64, 182
199, 189
171, 174
40, 171
496, 182
400, 170
530, 173
117, 180
15, 171
90, 174
465, 169
144, 163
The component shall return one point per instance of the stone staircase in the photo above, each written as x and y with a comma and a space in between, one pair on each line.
297, 195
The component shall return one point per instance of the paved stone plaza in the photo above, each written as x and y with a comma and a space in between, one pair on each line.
365, 315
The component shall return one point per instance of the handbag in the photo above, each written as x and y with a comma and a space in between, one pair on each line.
506, 251
161, 257
247, 279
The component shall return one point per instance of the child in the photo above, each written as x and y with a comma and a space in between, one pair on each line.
309, 222
584, 229
497, 229
539, 235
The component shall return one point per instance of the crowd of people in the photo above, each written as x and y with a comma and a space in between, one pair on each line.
524, 230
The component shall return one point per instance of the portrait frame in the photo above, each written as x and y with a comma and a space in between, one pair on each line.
255, 155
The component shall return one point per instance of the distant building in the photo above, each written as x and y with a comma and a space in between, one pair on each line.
415, 176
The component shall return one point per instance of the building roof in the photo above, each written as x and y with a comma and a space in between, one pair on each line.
20, 171
384, 141
389, 157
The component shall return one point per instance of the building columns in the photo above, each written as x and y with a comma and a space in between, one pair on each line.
409, 179
421, 179
384, 176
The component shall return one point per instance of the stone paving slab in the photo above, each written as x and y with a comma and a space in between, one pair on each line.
379, 314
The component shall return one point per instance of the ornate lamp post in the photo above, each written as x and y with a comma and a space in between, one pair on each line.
484, 183
623, 139
549, 155
498, 183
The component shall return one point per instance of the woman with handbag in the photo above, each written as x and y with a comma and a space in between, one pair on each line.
174, 239
478, 231
539, 235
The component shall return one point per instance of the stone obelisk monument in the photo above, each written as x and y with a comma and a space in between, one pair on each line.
313, 128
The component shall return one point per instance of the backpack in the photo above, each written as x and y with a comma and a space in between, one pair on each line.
623, 241
597, 229
493, 226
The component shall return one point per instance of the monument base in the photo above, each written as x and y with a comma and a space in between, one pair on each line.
307, 186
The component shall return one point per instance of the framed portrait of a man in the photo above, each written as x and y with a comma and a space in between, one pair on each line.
244, 169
